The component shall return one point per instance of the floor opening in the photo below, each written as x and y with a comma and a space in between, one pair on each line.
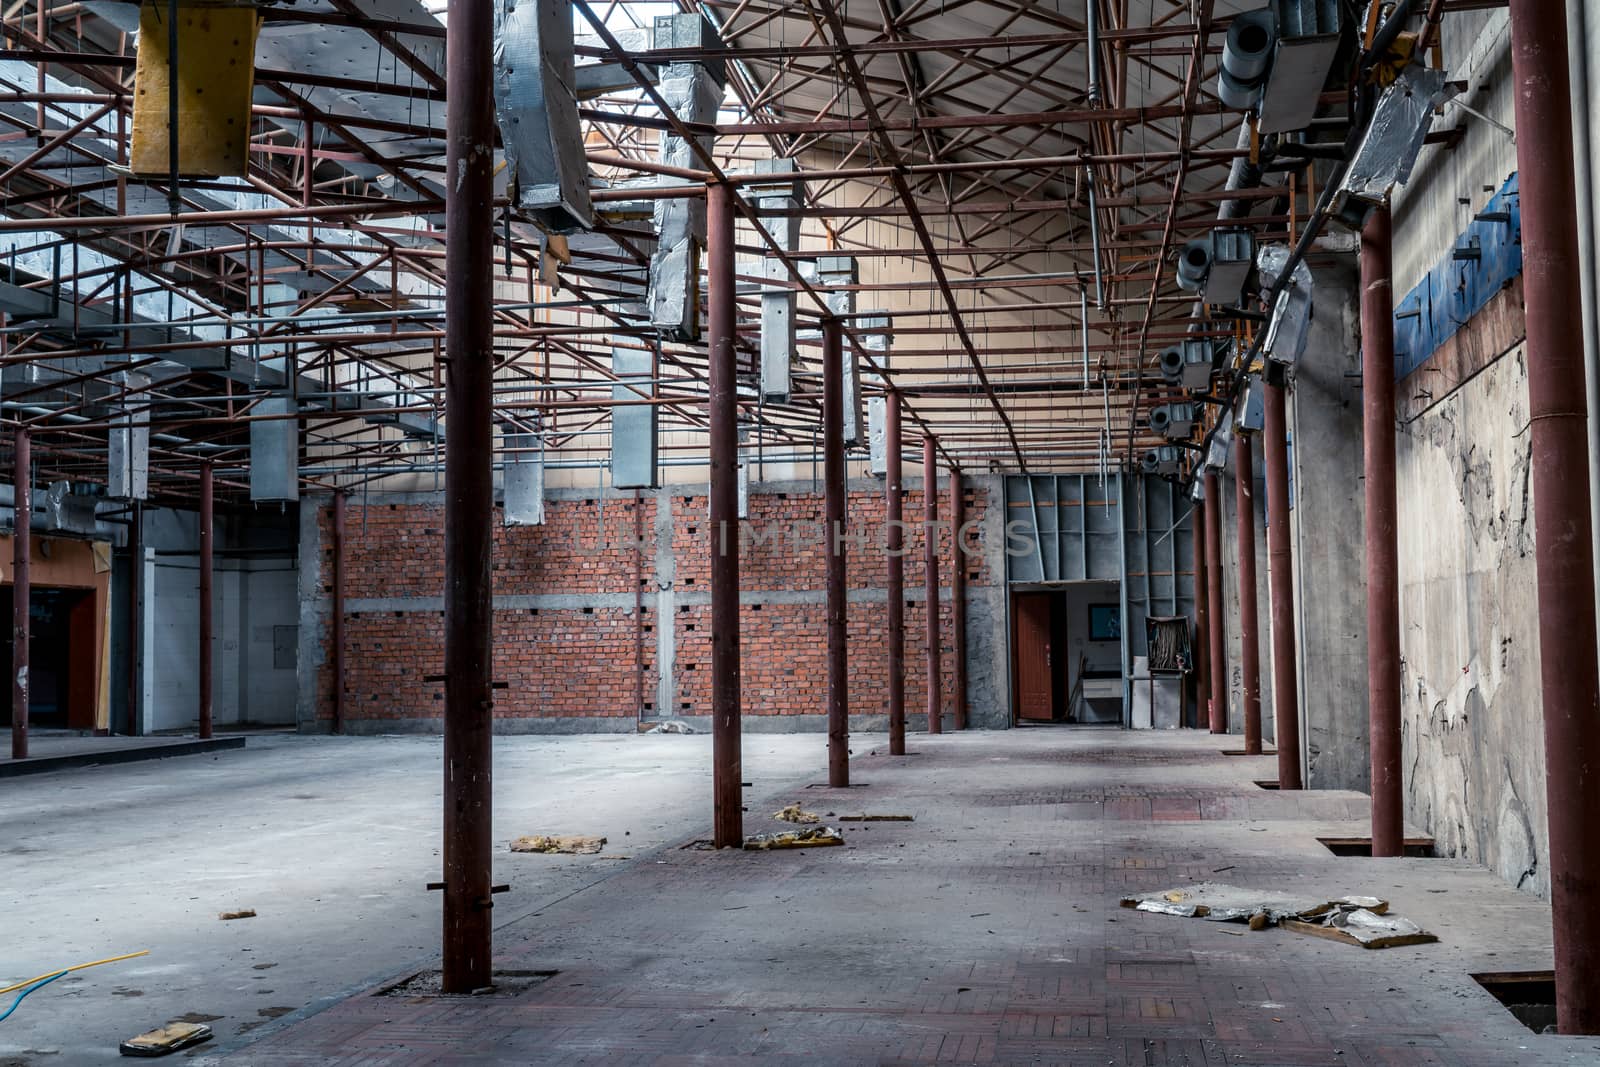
1528, 995
430, 984
1267, 783
1415, 847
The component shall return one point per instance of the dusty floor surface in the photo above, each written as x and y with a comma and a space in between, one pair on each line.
986, 931
331, 840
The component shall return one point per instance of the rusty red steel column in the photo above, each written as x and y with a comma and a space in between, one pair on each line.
206, 573
1202, 620
1563, 531
468, 932
1382, 523
1280, 563
1244, 486
721, 337
336, 637
21, 592
894, 547
930, 563
135, 679
833, 511
1219, 657
958, 595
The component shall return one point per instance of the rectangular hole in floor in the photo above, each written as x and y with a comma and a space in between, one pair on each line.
1414, 847
1242, 752
1529, 995
1267, 783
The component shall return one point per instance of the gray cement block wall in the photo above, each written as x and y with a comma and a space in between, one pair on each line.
987, 675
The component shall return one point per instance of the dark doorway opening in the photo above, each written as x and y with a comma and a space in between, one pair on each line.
61, 658
1066, 646
1528, 995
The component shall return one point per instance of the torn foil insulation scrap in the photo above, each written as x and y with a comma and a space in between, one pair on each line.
571, 844
817, 837
1226, 903
1395, 136
1358, 926
796, 814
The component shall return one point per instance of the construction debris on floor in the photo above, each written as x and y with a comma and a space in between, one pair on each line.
569, 844
814, 838
1355, 920
242, 913
671, 728
796, 814
167, 1040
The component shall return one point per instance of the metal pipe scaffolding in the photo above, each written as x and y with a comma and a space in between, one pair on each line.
894, 547
469, 498
1382, 520
1564, 533
833, 488
930, 563
722, 412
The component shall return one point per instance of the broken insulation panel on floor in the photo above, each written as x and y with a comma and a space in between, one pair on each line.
1355, 920
817, 837
569, 845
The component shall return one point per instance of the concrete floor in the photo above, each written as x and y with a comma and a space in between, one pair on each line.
331, 840
988, 930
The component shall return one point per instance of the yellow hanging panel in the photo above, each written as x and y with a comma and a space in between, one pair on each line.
216, 77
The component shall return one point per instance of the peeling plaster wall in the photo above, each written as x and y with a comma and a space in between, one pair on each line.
1471, 711
1471, 714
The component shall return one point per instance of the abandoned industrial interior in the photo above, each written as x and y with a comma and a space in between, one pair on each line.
800, 531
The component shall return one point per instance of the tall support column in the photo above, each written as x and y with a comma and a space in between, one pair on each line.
21, 591
1202, 619
894, 546
1382, 545
205, 597
1244, 483
1219, 655
930, 562
1563, 528
469, 498
958, 595
727, 814
1280, 560
833, 488
337, 636
135, 679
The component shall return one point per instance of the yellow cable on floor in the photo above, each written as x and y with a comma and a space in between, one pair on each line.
75, 967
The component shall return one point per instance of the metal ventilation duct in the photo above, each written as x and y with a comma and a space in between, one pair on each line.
537, 109
275, 451
1290, 327
128, 464
1309, 33
1394, 137
694, 92
878, 435
835, 272
634, 431
524, 479
777, 300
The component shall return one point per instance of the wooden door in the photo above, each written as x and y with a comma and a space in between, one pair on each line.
1035, 655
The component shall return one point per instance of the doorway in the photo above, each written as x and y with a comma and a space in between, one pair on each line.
1066, 645
61, 658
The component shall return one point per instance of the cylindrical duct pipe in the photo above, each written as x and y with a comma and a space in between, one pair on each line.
1382, 521
1563, 531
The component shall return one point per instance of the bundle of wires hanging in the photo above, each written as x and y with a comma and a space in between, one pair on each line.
1169, 645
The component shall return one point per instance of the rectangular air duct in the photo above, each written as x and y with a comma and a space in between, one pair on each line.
777, 300
128, 463
1233, 258
835, 271
634, 436
537, 109
694, 93
1309, 35
877, 435
275, 450
524, 479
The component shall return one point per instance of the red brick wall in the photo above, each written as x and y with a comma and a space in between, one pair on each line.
581, 661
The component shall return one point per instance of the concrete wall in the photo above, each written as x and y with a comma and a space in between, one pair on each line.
1324, 416
565, 631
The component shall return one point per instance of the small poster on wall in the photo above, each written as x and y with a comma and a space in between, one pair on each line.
1105, 622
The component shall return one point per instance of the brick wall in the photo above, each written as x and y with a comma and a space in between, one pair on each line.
567, 644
